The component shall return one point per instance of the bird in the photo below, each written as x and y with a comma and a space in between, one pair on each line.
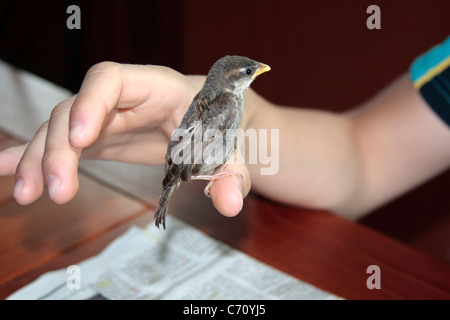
206, 136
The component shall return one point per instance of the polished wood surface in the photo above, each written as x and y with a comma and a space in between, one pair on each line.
317, 247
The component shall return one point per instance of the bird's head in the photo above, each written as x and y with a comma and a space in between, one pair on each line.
235, 73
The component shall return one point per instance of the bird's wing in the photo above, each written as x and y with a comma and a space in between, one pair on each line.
217, 142
199, 129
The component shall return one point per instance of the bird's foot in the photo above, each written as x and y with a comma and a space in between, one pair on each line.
216, 176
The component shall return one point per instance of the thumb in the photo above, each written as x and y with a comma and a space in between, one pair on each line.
228, 194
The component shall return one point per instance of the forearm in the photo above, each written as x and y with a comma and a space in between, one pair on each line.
402, 144
352, 163
319, 166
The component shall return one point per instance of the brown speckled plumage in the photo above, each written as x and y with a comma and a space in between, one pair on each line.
219, 105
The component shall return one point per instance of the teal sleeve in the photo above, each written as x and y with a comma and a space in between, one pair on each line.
430, 74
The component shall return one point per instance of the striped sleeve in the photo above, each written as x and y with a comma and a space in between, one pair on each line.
430, 74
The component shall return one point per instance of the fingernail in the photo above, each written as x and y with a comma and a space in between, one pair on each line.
242, 204
239, 185
17, 186
53, 184
75, 129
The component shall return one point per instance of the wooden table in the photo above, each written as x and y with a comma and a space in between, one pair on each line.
317, 247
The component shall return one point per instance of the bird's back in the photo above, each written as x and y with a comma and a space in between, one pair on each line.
208, 133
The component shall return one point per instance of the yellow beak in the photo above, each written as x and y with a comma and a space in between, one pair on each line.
261, 69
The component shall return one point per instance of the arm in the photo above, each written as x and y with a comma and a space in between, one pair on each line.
348, 163
353, 162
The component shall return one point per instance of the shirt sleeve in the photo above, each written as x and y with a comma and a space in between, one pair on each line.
430, 74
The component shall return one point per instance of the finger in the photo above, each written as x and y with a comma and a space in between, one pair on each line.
9, 159
227, 194
60, 159
99, 94
29, 178
108, 86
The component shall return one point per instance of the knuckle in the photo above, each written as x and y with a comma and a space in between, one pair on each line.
105, 66
49, 159
56, 161
42, 129
61, 108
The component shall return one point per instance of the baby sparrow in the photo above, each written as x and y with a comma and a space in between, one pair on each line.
206, 137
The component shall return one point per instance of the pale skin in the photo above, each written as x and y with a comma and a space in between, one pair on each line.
348, 163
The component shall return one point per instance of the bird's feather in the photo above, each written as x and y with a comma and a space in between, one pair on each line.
205, 138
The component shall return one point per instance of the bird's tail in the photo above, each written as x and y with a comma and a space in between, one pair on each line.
161, 211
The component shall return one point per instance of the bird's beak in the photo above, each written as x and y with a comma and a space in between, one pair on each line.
261, 69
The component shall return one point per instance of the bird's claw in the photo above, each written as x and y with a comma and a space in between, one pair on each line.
216, 176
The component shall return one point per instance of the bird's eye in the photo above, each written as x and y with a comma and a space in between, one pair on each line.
249, 71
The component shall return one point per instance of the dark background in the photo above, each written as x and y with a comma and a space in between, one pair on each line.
321, 53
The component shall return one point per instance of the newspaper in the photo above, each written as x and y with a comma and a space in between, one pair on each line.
178, 263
